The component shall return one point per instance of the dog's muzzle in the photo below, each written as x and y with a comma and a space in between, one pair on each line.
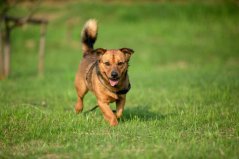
114, 80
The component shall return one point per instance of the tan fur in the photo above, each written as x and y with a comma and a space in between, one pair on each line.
95, 74
91, 28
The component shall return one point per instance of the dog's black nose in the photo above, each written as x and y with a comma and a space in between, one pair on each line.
114, 74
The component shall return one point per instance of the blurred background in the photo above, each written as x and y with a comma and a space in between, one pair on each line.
180, 33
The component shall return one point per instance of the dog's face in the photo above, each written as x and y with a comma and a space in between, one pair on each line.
113, 64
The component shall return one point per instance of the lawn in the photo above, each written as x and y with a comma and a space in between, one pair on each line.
184, 101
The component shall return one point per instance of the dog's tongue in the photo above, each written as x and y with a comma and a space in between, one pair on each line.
113, 83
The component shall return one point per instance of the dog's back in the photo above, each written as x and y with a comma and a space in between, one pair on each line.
88, 38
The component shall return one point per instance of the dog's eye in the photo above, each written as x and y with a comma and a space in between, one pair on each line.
107, 63
120, 63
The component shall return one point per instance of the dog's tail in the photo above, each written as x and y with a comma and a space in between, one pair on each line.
89, 35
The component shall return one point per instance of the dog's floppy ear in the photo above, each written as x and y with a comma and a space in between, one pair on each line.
128, 52
100, 51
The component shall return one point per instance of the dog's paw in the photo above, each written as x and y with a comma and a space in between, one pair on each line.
78, 108
114, 122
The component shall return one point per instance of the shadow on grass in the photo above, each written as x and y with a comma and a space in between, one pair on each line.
142, 113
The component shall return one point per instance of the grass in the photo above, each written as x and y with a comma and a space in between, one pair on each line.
184, 75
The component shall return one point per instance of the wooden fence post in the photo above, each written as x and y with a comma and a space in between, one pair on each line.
7, 51
41, 50
1, 53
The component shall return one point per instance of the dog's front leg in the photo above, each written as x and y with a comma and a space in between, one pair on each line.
107, 112
120, 106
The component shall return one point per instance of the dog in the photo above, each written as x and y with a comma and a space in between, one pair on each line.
103, 72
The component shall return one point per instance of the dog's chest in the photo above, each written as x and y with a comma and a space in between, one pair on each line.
114, 97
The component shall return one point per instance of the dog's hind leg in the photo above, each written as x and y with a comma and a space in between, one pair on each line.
81, 89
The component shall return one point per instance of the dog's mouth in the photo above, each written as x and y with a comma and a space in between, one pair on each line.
113, 82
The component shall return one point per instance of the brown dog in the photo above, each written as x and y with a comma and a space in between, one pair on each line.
104, 72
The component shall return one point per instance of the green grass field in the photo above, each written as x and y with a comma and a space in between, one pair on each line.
184, 101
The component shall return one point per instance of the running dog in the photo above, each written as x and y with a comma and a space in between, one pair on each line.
103, 72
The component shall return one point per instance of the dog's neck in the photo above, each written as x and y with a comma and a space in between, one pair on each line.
115, 90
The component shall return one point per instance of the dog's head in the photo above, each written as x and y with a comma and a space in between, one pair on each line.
113, 64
